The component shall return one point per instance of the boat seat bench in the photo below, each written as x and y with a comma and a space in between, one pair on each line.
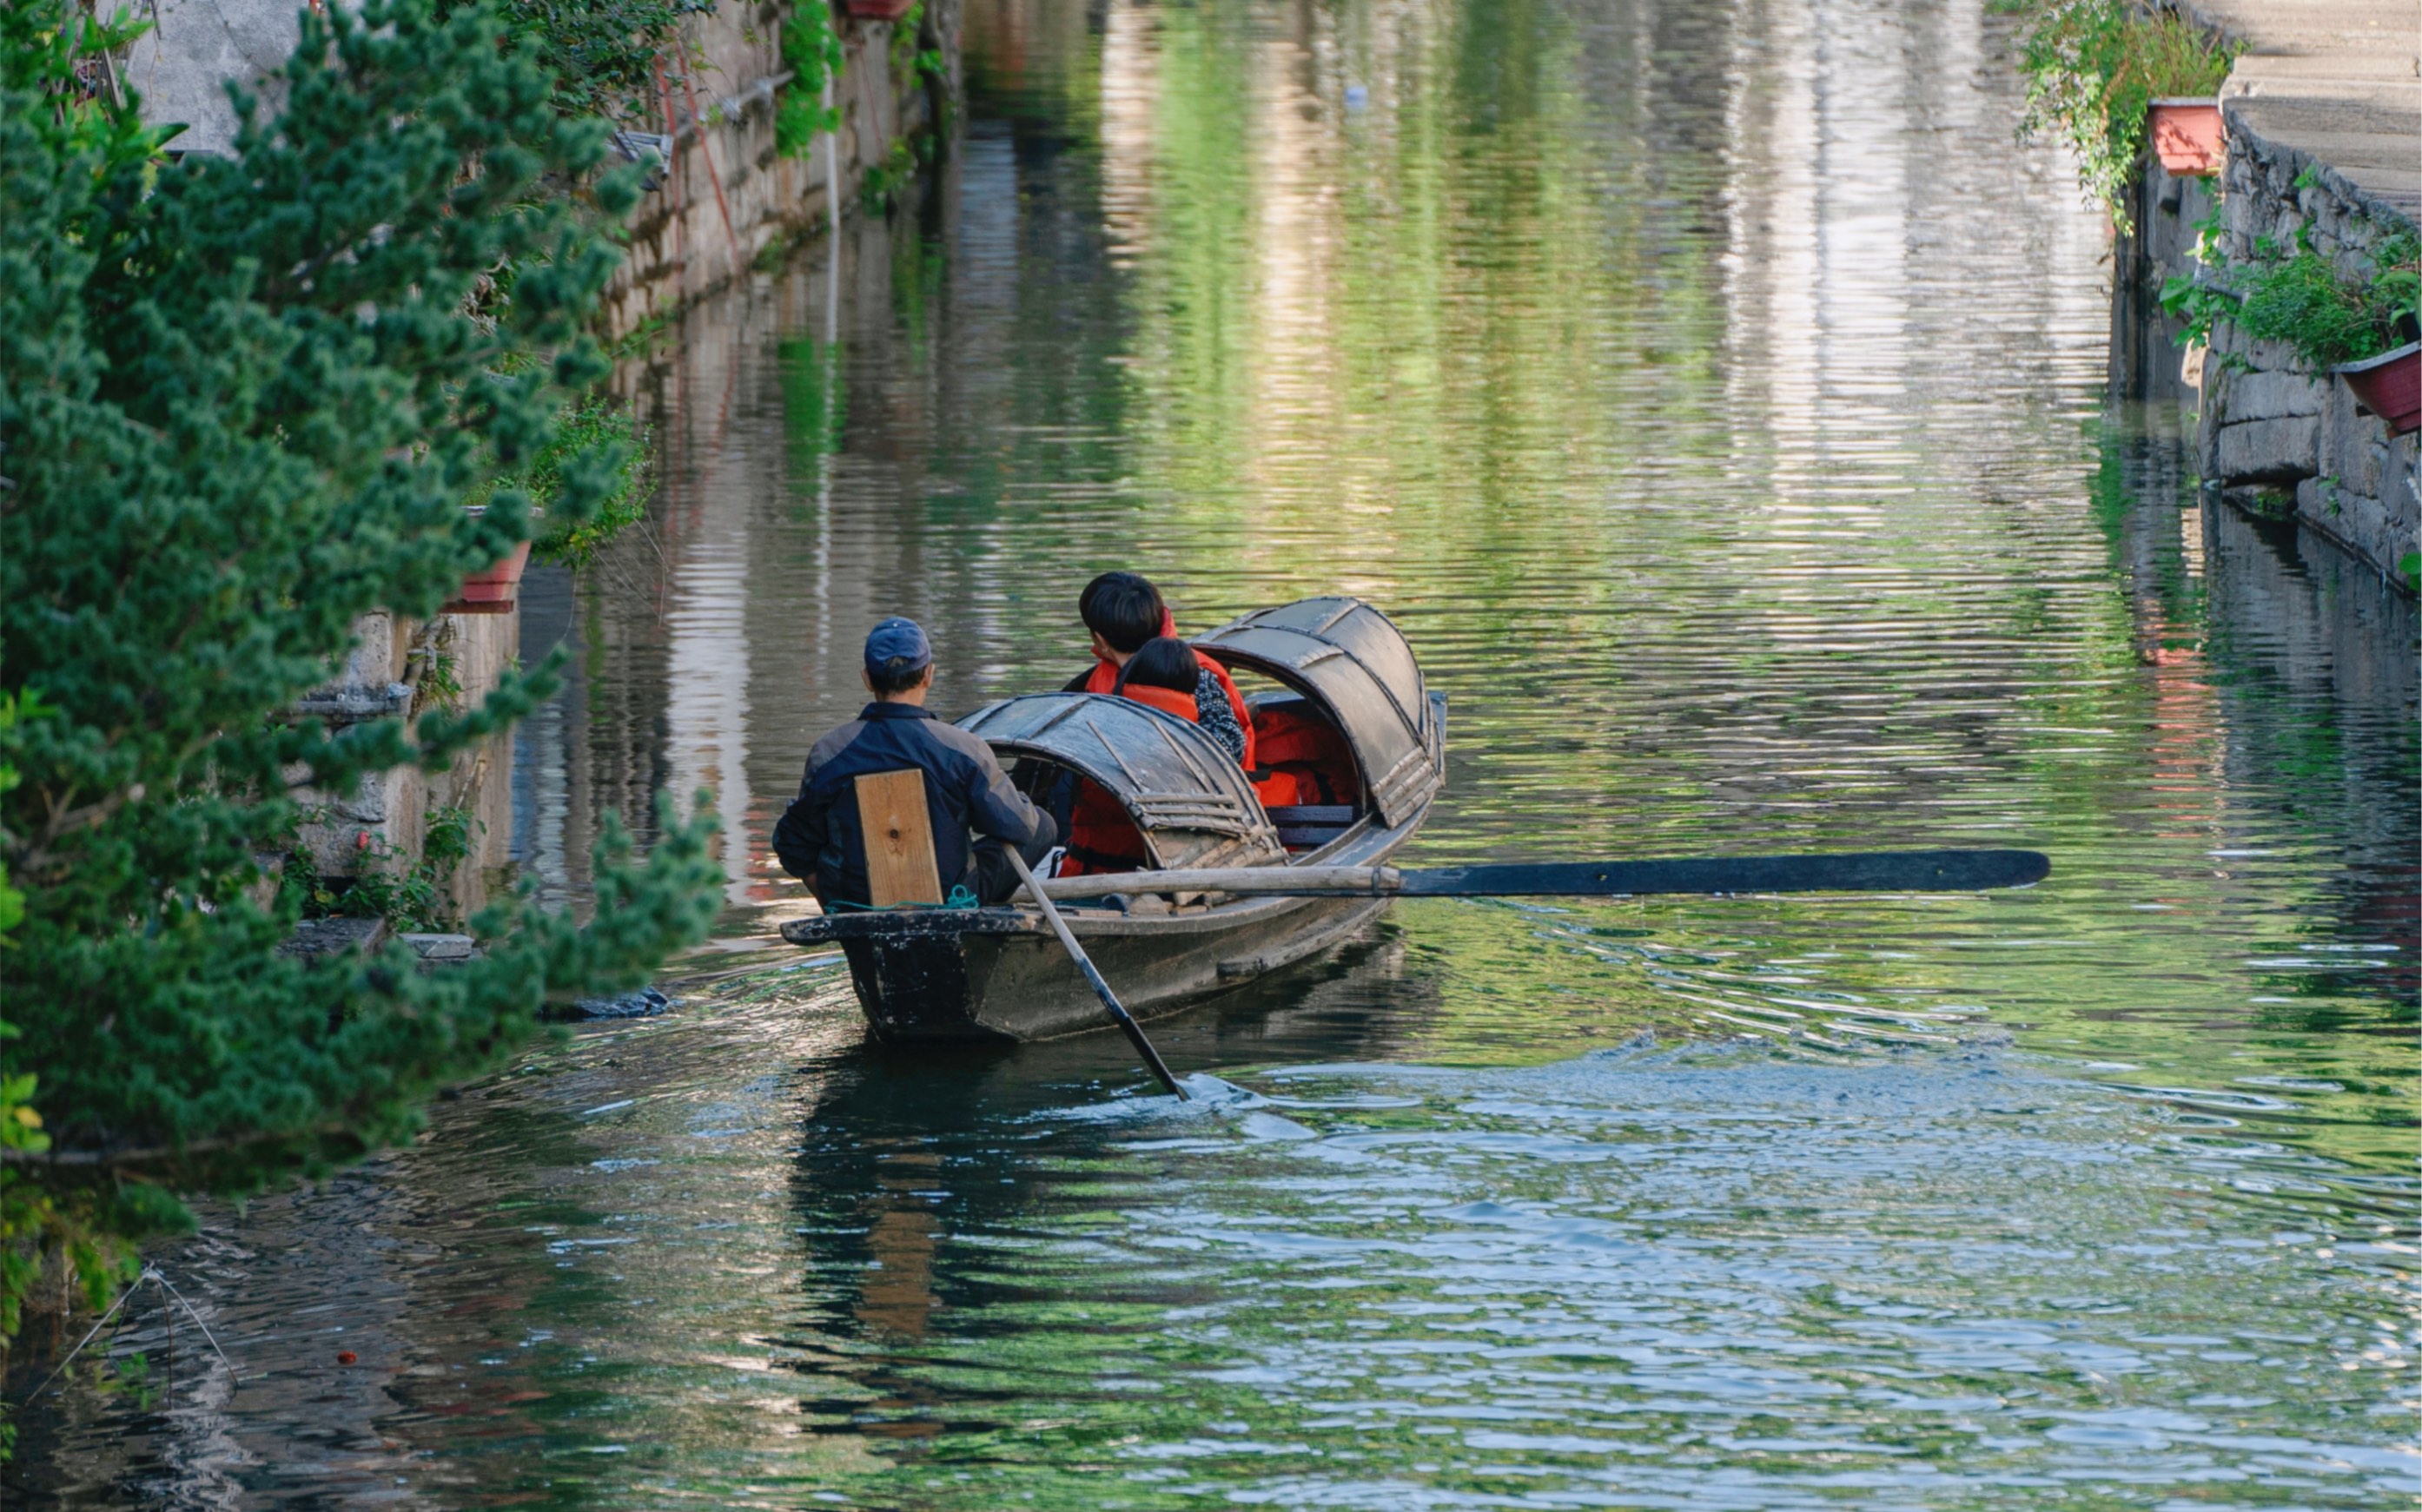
1308, 825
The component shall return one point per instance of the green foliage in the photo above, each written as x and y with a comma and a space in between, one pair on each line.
240, 404
879, 190
813, 54
409, 893
601, 53
13, 903
903, 37
34, 1220
2094, 67
2325, 313
644, 340
2328, 316
601, 434
437, 686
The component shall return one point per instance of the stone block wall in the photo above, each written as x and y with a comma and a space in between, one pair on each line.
384, 824
685, 239
681, 244
2270, 436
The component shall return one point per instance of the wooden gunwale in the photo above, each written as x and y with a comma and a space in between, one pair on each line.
1236, 912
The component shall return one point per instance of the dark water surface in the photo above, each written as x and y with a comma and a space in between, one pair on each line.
1715, 396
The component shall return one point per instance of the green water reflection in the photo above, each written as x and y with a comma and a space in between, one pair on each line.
1716, 398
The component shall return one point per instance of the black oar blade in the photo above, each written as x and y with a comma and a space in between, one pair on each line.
1873, 871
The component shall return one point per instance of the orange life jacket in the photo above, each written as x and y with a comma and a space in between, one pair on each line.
1105, 679
1168, 700
1309, 761
1101, 836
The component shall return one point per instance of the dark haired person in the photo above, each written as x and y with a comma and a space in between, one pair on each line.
1160, 673
819, 839
1124, 612
1166, 673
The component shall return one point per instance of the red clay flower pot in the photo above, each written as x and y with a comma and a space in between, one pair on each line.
2187, 136
496, 591
2389, 385
877, 9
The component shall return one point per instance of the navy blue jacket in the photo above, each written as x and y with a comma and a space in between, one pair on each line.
965, 789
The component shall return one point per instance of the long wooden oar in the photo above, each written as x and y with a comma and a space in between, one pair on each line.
1101, 989
1873, 871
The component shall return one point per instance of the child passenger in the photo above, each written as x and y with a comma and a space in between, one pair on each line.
1166, 665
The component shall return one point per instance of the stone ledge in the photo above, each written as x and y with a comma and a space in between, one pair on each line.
443, 947
314, 937
2268, 451
2273, 395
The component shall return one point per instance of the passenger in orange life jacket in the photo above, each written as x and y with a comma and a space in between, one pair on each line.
1166, 673
1123, 610
1161, 674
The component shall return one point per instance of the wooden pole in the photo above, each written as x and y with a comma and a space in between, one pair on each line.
1238, 881
1101, 989
1873, 871
739, 264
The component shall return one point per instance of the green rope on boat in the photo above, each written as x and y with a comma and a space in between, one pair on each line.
961, 897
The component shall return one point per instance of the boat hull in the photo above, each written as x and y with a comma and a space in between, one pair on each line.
1023, 987
998, 975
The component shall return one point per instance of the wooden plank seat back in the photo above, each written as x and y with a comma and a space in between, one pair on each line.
899, 830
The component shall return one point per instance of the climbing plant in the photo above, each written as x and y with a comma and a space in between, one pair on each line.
811, 53
601, 53
2094, 67
241, 403
2326, 313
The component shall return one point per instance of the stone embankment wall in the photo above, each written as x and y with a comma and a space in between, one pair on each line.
686, 242
2324, 111
2270, 436
406, 666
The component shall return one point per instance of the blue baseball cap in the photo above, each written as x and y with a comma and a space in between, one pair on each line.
898, 638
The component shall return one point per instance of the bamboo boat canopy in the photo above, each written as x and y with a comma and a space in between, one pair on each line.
1352, 661
1189, 798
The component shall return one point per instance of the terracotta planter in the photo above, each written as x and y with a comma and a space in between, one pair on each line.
2389, 387
2187, 136
877, 9
496, 591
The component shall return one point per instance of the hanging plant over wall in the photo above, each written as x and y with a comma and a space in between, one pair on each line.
813, 54
602, 52
2094, 69
2326, 314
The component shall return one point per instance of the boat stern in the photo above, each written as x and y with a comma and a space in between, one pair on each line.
919, 974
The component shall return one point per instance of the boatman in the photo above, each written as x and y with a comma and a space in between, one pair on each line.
819, 841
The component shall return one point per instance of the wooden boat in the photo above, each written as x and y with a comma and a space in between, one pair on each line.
1350, 699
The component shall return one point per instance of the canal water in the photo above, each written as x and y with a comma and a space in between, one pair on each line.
1714, 392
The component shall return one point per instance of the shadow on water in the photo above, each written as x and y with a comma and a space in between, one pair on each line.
739, 1252
905, 1153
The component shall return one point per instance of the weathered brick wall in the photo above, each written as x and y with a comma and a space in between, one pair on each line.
2270, 436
